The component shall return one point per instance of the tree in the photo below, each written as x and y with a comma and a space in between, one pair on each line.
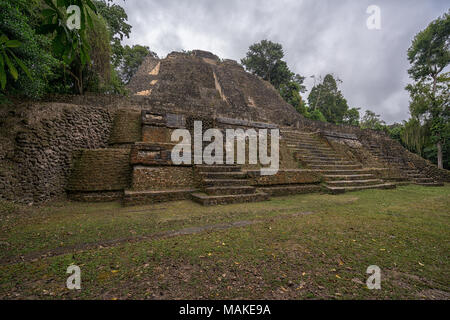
18, 21
329, 100
98, 75
316, 115
429, 55
117, 18
414, 135
351, 117
290, 92
371, 120
264, 60
132, 59
70, 44
395, 131
8, 60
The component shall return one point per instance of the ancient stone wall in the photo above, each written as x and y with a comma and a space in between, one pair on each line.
126, 127
100, 170
36, 162
38, 139
282, 177
162, 178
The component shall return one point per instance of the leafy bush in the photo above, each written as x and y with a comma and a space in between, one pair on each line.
18, 20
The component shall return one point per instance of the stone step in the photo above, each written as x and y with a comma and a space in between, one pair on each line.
315, 152
284, 190
208, 200
228, 190
337, 190
312, 147
224, 182
218, 168
320, 158
300, 139
423, 180
297, 132
415, 175
353, 183
401, 182
313, 143
299, 136
335, 167
430, 184
132, 198
319, 148
411, 171
348, 177
329, 162
344, 172
222, 175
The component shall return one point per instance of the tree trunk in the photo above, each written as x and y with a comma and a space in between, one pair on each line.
80, 79
439, 155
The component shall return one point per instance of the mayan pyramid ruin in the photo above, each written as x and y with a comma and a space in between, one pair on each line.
94, 148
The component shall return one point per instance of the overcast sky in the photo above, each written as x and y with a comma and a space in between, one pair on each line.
318, 37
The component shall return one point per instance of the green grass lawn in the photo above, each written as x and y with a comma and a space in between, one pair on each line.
315, 246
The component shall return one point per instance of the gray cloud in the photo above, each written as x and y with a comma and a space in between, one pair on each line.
318, 37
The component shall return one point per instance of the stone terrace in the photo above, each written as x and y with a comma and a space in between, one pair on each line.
103, 148
174, 92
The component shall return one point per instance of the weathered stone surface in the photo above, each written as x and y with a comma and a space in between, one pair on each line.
245, 123
290, 176
162, 178
156, 134
39, 151
37, 140
100, 170
133, 198
156, 154
153, 119
126, 128
290, 189
95, 196
340, 135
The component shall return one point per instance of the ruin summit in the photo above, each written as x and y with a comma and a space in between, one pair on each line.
105, 148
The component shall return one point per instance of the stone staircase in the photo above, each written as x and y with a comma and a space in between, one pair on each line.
419, 178
413, 174
340, 174
224, 184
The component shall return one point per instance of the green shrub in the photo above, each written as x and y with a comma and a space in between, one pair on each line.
18, 20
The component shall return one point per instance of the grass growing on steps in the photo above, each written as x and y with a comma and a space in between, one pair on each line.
323, 254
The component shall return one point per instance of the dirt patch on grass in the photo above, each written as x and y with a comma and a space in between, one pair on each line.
161, 235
